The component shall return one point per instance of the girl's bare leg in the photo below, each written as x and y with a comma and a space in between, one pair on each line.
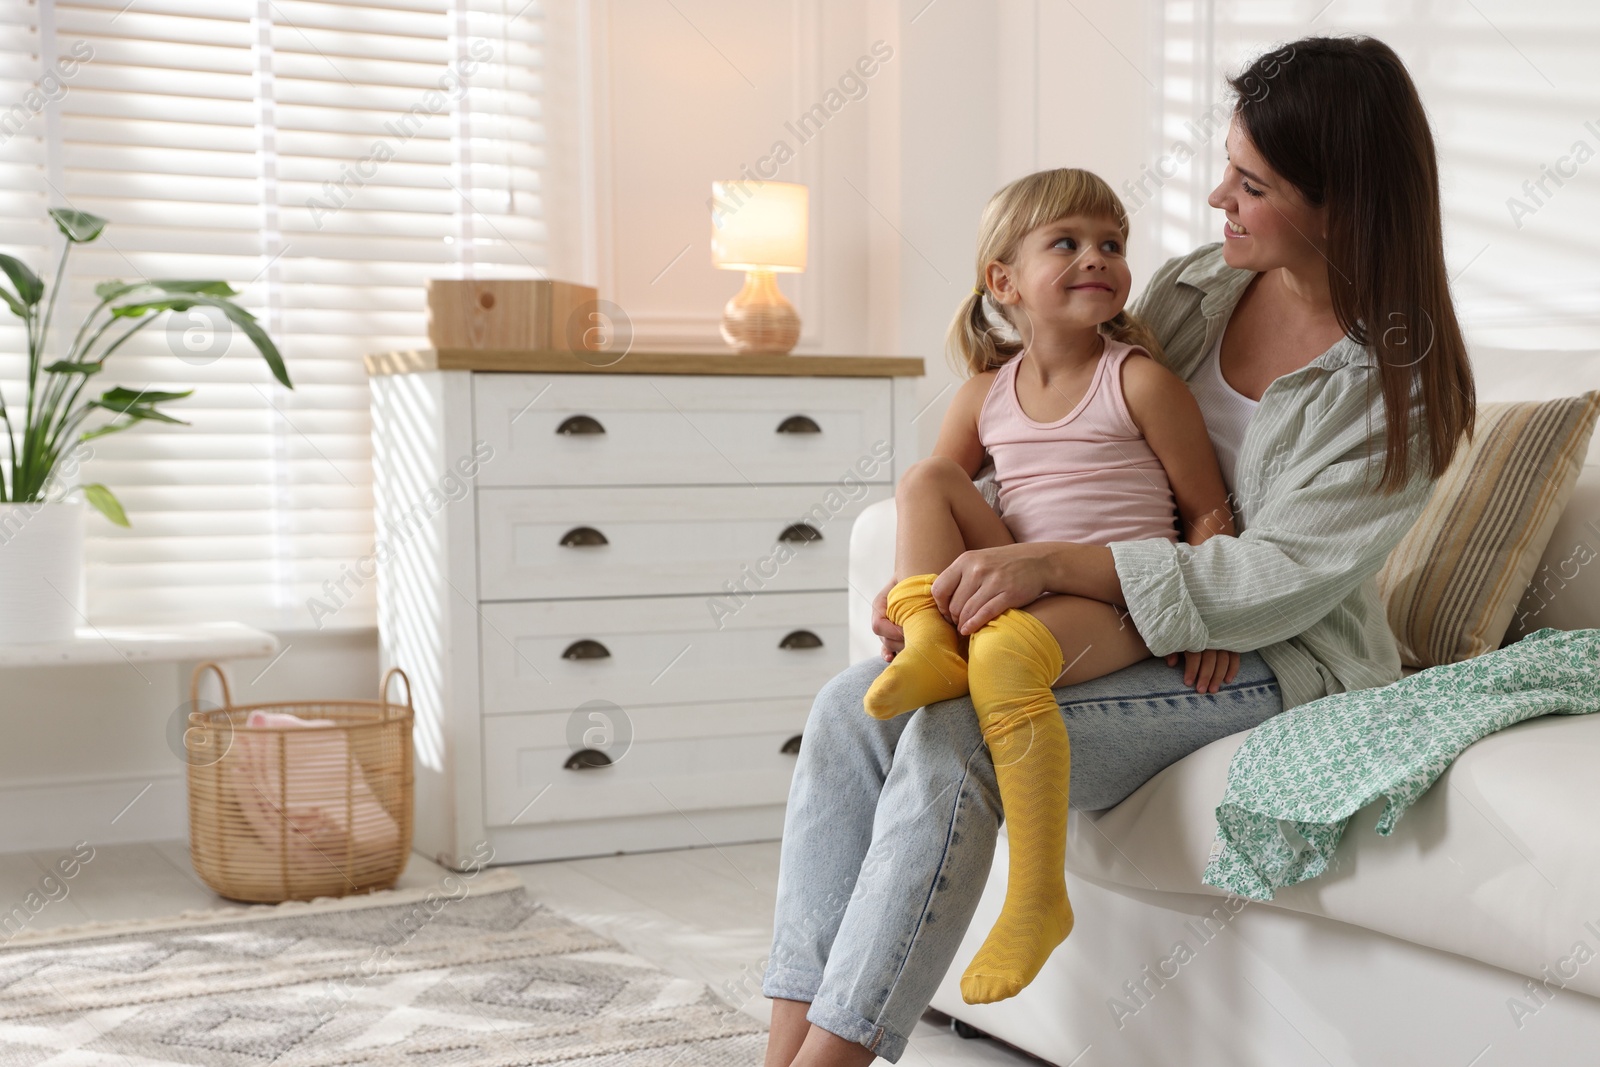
939, 515
1015, 660
1096, 638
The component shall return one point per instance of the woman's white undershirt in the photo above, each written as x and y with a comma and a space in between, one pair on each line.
1227, 411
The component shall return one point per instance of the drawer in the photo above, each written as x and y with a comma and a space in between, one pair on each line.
552, 655
677, 760
700, 540
590, 429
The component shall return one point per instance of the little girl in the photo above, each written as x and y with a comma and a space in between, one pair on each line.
1093, 440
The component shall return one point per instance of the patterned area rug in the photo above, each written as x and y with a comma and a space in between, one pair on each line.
471, 972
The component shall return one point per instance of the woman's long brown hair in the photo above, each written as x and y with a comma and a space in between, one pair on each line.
1341, 120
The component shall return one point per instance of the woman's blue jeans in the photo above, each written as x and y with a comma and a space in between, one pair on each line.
891, 828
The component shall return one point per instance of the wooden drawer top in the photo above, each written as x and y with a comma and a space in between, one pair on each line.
732, 363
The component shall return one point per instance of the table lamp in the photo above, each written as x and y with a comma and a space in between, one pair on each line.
759, 228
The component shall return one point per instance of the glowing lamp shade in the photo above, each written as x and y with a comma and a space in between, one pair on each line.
759, 228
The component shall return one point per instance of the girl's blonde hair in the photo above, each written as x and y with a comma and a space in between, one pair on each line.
974, 343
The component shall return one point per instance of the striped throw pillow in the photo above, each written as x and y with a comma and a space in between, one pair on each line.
1452, 584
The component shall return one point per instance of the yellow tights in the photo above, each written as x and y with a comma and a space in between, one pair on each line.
930, 668
1011, 663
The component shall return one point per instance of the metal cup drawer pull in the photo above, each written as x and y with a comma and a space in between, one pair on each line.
791, 747
586, 759
588, 649
583, 537
801, 639
803, 532
799, 424
580, 424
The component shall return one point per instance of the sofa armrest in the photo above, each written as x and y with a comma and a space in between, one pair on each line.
871, 566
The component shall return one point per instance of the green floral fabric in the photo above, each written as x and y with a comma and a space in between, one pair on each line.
1310, 768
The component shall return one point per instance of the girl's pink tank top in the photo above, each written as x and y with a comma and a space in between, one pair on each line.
1088, 477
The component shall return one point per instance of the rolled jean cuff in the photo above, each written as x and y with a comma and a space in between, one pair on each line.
877, 1039
786, 983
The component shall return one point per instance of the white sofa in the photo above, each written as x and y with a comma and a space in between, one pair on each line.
1469, 937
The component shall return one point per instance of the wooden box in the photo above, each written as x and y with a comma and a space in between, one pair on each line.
510, 313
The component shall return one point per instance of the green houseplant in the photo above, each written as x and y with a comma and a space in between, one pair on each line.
40, 530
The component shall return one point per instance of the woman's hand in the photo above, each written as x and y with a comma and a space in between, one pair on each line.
894, 638
982, 583
1207, 670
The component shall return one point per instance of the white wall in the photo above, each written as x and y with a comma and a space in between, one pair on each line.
975, 94
936, 143
699, 90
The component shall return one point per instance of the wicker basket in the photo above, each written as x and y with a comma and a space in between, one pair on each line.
287, 812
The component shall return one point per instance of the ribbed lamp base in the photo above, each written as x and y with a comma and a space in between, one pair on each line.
760, 318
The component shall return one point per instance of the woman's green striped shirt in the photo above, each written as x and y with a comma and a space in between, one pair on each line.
1298, 582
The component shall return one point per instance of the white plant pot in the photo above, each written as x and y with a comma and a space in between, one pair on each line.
41, 572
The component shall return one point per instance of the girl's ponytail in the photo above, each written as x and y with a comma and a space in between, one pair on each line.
973, 343
1130, 329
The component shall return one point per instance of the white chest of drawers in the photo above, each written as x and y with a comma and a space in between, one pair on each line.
617, 590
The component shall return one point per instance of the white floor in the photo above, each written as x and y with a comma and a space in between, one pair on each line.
701, 913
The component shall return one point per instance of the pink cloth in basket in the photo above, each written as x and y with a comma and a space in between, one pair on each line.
321, 829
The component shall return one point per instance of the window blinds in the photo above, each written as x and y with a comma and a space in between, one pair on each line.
326, 158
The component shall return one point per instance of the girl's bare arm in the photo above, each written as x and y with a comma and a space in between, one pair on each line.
1166, 412
958, 434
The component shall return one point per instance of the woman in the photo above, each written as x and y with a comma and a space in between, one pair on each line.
1324, 321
